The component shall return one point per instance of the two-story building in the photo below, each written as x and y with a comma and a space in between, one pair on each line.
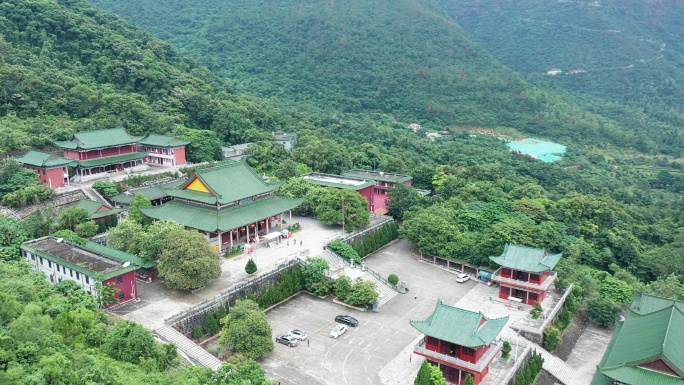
88, 265
52, 170
459, 342
525, 274
230, 204
163, 150
384, 182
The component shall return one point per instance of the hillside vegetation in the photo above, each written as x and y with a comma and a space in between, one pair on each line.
66, 66
405, 58
631, 50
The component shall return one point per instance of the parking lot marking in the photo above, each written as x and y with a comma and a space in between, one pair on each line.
344, 372
351, 340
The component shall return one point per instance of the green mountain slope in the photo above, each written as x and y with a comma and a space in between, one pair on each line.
405, 58
625, 51
68, 66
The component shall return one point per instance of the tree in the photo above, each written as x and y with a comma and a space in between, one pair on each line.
69, 236
241, 370
469, 380
251, 267
326, 155
602, 310
71, 217
205, 145
13, 176
87, 229
107, 295
429, 375
211, 325
362, 293
188, 261
330, 209
315, 280
12, 235
126, 236
401, 199
669, 286
129, 342
246, 331
107, 189
197, 332
139, 201
552, 337
343, 286
616, 290
153, 240
393, 279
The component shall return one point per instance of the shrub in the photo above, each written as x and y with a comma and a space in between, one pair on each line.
211, 326
506, 350
106, 189
343, 286
345, 251
251, 267
552, 337
602, 311
221, 313
376, 240
393, 279
536, 310
290, 282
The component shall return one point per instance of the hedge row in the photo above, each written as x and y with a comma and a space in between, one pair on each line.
376, 240
528, 375
345, 251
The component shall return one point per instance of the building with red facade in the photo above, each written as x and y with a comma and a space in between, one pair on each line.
163, 150
384, 182
88, 265
113, 150
459, 342
365, 187
52, 170
525, 274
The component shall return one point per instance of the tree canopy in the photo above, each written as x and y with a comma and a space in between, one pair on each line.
188, 261
246, 331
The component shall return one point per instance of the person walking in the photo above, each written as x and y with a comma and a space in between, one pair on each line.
308, 342
301, 243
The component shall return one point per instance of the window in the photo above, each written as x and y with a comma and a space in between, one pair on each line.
78, 276
119, 280
41, 260
468, 352
121, 295
33, 257
87, 279
71, 273
52, 278
50, 264
432, 341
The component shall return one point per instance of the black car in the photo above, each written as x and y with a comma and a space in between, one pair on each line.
347, 319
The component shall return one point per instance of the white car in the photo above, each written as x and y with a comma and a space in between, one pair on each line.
338, 331
298, 334
462, 277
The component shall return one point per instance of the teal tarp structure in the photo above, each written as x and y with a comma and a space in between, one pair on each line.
484, 275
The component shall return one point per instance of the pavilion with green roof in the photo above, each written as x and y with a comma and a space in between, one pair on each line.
52, 170
230, 204
459, 341
98, 211
648, 347
525, 274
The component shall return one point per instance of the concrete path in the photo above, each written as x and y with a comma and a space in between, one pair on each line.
554, 365
588, 352
187, 346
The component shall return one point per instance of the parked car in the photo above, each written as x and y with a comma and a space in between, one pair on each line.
338, 331
298, 334
462, 277
288, 340
347, 320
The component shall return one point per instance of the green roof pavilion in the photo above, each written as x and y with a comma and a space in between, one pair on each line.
528, 259
90, 140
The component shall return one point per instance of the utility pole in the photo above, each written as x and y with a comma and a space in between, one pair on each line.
343, 213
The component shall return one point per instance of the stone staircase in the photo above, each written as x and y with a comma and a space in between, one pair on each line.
188, 347
386, 292
337, 266
94, 195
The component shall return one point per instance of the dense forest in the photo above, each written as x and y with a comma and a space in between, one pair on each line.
624, 55
405, 58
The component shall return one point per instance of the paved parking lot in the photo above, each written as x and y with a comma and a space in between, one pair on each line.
377, 345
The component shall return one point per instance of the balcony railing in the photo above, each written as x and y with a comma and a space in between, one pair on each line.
525, 285
159, 155
478, 367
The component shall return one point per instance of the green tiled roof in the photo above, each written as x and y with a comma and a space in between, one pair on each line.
111, 159
118, 254
232, 182
92, 207
212, 220
526, 259
162, 141
44, 159
197, 196
651, 331
88, 140
460, 326
379, 175
338, 181
151, 193
107, 262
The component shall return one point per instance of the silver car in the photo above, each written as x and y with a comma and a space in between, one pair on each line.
298, 334
288, 340
462, 277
